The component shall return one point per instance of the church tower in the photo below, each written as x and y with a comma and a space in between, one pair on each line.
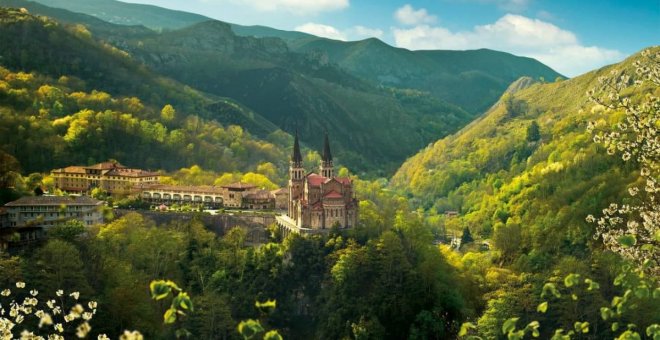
296, 176
327, 169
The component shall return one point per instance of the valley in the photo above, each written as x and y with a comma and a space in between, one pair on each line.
362, 190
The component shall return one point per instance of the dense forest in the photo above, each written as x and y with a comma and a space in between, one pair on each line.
539, 219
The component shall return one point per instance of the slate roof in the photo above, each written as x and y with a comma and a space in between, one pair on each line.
54, 200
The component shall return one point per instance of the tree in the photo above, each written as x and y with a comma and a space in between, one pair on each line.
68, 231
467, 236
533, 132
633, 229
168, 113
58, 266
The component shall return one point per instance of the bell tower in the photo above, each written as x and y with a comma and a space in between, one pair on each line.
296, 175
327, 168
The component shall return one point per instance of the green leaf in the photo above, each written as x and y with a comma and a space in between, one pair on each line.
574, 297
542, 307
618, 280
571, 280
169, 316
182, 301
518, 335
249, 328
273, 335
465, 328
559, 335
615, 327
629, 335
550, 288
509, 325
266, 306
653, 330
592, 285
534, 327
606, 313
581, 327
647, 247
159, 289
627, 240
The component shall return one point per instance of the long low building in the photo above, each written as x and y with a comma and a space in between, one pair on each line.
237, 195
109, 176
47, 211
164, 193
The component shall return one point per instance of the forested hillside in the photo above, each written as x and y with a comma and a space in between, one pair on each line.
55, 113
380, 103
369, 125
523, 179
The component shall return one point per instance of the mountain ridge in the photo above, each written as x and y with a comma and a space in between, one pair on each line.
381, 63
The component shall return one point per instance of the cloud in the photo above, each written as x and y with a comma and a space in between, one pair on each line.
326, 31
321, 31
361, 32
515, 6
407, 15
558, 48
300, 7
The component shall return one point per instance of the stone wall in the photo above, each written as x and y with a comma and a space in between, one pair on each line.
254, 224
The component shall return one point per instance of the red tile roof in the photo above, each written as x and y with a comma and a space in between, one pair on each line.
333, 194
343, 180
130, 173
71, 170
315, 180
105, 166
280, 191
239, 185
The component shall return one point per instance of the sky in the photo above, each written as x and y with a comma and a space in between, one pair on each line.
571, 36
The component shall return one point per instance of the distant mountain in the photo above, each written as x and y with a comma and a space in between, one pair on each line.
379, 103
123, 13
472, 80
373, 129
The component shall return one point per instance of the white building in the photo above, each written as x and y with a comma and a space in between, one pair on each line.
47, 211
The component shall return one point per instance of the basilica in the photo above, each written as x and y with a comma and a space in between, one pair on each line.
318, 201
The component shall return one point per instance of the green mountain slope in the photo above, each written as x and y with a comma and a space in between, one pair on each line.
369, 126
472, 80
527, 173
123, 13
73, 50
373, 129
65, 98
329, 86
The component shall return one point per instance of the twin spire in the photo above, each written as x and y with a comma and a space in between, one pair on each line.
327, 168
327, 156
296, 157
